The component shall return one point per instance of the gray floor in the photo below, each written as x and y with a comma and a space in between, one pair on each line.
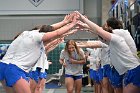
59, 90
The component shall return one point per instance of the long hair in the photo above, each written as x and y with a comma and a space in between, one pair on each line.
72, 42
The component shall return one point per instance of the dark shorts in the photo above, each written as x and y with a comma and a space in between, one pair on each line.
74, 77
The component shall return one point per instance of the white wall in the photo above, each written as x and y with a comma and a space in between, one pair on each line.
11, 25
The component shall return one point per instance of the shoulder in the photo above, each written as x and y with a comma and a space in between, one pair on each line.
81, 51
63, 52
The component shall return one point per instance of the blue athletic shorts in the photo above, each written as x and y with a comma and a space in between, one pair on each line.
13, 74
133, 76
2, 70
106, 70
36, 75
100, 74
43, 75
94, 75
74, 77
116, 79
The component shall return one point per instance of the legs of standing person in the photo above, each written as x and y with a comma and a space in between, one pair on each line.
69, 83
34, 78
37, 87
99, 79
37, 81
132, 81
111, 90
106, 86
99, 88
78, 85
22, 86
118, 90
95, 88
130, 88
89, 80
73, 82
93, 76
41, 82
40, 86
33, 85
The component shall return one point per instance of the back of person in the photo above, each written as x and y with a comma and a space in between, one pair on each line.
128, 38
120, 52
28, 54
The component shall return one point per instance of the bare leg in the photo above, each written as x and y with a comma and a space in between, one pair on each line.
118, 90
33, 85
130, 88
78, 85
105, 85
7, 89
69, 82
111, 90
22, 86
40, 86
89, 80
99, 88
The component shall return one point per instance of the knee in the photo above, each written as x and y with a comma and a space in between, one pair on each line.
70, 90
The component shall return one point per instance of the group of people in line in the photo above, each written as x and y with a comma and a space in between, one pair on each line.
115, 63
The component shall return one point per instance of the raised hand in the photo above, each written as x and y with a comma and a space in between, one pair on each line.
67, 19
74, 20
79, 15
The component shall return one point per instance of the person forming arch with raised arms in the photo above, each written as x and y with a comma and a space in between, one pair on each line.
27, 53
120, 54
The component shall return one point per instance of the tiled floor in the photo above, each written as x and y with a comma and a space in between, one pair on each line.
59, 90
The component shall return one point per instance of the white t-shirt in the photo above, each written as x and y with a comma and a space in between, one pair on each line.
42, 62
26, 50
128, 38
105, 56
72, 69
10, 52
93, 58
121, 56
103, 45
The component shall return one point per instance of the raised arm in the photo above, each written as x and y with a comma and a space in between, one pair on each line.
91, 44
94, 27
49, 36
49, 47
67, 19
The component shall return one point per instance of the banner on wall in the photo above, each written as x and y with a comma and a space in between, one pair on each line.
27, 7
